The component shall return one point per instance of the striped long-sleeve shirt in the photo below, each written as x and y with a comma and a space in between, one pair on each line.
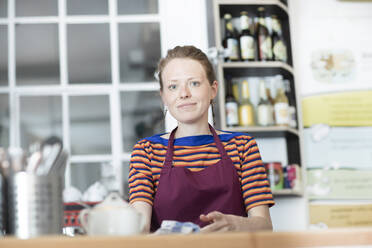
197, 153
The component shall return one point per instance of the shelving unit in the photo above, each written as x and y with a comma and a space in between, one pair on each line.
291, 135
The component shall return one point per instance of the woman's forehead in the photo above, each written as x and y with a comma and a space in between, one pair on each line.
183, 67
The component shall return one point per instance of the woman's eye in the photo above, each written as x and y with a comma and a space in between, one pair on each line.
195, 83
172, 87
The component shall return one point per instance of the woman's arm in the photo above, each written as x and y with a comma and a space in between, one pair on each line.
258, 220
146, 210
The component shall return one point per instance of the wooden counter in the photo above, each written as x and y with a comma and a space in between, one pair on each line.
345, 237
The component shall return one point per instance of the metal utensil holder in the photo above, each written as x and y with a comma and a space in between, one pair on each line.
2, 206
35, 204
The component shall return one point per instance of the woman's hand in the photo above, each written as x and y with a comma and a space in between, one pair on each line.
220, 222
259, 219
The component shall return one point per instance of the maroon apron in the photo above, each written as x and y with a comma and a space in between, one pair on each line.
183, 195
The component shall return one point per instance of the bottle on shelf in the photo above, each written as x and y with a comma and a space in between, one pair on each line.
236, 91
291, 108
230, 41
246, 110
264, 42
247, 41
279, 46
281, 107
265, 111
231, 106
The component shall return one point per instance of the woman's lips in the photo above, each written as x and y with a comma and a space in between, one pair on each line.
186, 105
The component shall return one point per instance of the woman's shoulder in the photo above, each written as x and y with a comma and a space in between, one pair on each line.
153, 140
228, 135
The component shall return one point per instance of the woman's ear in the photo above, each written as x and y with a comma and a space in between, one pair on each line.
214, 87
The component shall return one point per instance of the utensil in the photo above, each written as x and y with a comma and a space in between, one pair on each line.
59, 164
17, 159
33, 162
50, 150
4, 163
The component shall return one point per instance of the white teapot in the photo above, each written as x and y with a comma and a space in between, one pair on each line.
113, 216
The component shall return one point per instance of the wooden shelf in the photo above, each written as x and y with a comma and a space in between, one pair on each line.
259, 64
287, 192
258, 129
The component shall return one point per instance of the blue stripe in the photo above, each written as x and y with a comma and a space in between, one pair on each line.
157, 160
257, 187
196, 160
197, 153
256, 180
142, 178
139, 191
252, 160
141, 184
139, 156
255, 174
199, 139
252, 168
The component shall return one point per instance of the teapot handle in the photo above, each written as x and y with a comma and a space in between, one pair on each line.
83, 219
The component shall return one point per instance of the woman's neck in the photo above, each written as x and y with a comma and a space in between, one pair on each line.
184, 130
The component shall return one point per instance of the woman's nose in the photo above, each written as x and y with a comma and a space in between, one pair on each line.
185, 92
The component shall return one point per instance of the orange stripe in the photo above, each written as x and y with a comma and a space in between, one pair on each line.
252, 199
255, 184
268, 202
134, 184
141, 199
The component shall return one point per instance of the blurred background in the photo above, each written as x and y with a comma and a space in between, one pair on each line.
83, 70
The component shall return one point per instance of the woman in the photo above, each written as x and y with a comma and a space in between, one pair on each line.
212, 178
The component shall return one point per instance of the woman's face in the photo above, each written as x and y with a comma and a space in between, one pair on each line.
186, 90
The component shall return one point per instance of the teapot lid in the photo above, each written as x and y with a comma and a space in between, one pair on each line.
112, 200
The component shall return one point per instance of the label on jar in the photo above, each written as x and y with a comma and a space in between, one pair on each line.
231, 114
281, 113
247, 47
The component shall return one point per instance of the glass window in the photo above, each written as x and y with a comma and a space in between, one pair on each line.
40, 117
90, 125
87, 7
37, 55
142, 116
3, 55
36, 7
139, 51
125, 170
130, 7
88, 47
3, 8
4, 120
84, 175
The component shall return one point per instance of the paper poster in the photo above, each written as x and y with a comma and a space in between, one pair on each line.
333, 47
339, 184
337, 215
338, 147
338, 109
